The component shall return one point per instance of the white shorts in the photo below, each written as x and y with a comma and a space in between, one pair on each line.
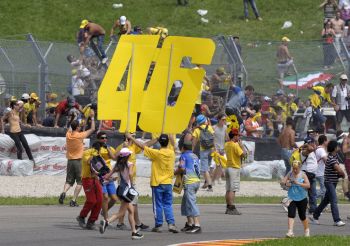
233, 177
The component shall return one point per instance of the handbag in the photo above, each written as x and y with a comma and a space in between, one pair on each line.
178, 184
126, 192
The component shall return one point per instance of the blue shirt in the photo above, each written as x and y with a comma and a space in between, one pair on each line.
296, 192
190, 162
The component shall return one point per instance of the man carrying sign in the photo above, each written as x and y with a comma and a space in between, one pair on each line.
162, 172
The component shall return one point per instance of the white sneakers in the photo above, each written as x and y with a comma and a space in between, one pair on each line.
339, 223
289, 234
307, 233
313, 220
104, 60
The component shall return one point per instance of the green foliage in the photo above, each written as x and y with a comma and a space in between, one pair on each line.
59, 20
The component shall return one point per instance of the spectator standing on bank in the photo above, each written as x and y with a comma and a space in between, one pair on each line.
286, 140
284, 59
92, 188
329, 53
254, 7
92, 31
298, 183
329, 8
234, 152
75, 148
12, 117
338, 26
331, 176
189, 168
321, 156
123, 25
341, 96
162, 172
63, 109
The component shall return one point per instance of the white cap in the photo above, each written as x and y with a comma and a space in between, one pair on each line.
25, 96
122, 20
125, 152
343, 76
266, 98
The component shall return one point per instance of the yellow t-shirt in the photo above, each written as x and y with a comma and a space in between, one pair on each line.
29, 107
85, 164
233, 154
323, 94
315, 100
284, 107
51, 104
104, 154
197, 132
162, 170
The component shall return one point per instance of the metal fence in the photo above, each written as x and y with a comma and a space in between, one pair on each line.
34, 66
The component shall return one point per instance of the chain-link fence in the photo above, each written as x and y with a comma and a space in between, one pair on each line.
26, 65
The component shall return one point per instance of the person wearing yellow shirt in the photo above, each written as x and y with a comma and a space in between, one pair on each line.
134, 149
205, 151
30, 110
234, 152
320, 95
92, 188
108, 189
162, 172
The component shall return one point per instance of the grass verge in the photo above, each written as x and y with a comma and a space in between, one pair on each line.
311, 241
20, 201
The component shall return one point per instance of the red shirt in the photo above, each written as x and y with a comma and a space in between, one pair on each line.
62, 107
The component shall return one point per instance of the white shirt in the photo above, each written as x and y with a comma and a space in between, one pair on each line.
343, 94
219, 137
77, 86
310, 165
320, 154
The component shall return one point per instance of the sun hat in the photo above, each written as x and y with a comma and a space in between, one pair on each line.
125, 152
122, 20
84, 23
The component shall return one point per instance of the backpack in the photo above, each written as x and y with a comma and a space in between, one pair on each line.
206, 138
99, 167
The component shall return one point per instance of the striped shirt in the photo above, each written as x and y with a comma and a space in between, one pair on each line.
330, 174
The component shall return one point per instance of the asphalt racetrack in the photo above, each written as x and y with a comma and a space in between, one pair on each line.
56, 226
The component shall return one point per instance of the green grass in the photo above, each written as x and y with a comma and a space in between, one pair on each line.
311, 241
59, 20
19, 201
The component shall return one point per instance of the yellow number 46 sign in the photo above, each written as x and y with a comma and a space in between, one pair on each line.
135, 54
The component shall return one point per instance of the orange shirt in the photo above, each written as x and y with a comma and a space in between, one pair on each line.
75, 145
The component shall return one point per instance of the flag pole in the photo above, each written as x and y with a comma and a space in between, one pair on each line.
130, 86
167, 86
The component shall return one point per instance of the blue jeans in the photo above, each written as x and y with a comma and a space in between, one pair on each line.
312, 193
286, 154
330, 197
189, 206
255, 9
322, 190
162, 200
100, 41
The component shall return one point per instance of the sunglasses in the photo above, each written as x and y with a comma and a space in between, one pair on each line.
103, 137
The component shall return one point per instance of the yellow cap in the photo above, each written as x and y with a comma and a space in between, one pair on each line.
220, 70
13, 98
84, 23
53, 96
34, 96
74, 72
285, 39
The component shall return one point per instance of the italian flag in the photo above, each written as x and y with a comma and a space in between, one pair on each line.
306, 80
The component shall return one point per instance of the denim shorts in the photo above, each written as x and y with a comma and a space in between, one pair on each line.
189, 206
109, 188
205, 160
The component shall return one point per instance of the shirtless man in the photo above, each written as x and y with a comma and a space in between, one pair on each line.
338, 27
287, 142
284, 59
93, 30
123, 25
